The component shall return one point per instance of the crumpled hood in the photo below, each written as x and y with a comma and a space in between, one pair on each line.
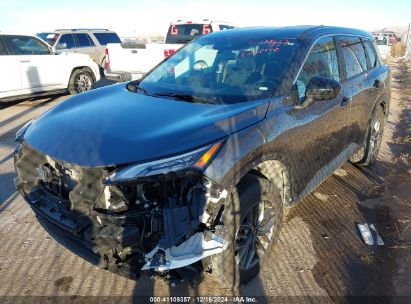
112, 126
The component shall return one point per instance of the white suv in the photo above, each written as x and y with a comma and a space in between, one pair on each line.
29, 67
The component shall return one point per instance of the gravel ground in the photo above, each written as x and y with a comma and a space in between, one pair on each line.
320, 256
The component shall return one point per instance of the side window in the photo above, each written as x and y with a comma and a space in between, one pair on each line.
372, 57
104, 38
3, 50
354, 56
68, 41
25, 45
322, 61
83, 40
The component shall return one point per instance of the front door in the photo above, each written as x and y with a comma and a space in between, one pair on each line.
10, 79
323, 125
39, 68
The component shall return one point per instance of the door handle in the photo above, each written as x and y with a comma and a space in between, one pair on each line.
377, 83
345, 101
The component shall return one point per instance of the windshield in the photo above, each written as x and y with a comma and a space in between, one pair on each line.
222, 70
183, 33
50, 38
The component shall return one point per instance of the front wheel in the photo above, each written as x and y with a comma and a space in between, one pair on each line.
252, 218
367, 154
80, 81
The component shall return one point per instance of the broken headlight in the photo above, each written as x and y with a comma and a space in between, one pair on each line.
196, 159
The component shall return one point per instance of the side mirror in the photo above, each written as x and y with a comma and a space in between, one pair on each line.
320, 88
61, 46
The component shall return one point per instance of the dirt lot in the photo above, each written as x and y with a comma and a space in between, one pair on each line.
320, 256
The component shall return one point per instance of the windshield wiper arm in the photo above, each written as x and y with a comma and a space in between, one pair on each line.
184, 97
134, 87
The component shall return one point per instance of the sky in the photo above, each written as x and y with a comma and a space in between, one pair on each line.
134, 17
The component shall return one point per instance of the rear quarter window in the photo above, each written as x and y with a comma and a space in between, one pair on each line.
104, 38
371, 54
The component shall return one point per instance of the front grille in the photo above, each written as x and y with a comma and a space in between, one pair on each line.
79, 187
57, 179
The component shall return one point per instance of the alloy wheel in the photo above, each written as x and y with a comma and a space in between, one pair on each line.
254, 235
376, 135
83, 83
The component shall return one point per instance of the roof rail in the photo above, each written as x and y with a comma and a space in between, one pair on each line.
305, 33
83, 29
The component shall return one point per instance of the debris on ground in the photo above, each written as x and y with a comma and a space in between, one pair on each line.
370, 235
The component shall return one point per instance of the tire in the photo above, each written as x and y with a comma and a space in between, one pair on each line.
367, 154
80, 81
251, 195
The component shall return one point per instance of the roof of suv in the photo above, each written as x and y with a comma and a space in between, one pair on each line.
82, 30
296, 32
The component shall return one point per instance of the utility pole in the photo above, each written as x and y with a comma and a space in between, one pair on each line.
407, 43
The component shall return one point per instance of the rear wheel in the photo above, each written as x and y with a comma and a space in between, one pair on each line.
253, 220
80, 81
367, 154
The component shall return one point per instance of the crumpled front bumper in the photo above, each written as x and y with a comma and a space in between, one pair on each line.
117, 240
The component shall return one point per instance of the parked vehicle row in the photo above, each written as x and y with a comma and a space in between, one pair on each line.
126, 62
30, 67
189, 169
389, 35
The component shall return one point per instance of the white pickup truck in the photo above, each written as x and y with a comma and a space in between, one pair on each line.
125, 62
383, 47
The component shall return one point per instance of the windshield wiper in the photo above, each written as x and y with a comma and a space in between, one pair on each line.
184, 97
134, 87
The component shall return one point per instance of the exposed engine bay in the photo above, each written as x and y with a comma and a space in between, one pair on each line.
160, 224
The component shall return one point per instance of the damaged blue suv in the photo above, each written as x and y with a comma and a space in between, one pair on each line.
188, 170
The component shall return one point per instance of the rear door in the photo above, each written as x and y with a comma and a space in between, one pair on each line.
39, 68
358, 86
10, 76
86, 46
323, 125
